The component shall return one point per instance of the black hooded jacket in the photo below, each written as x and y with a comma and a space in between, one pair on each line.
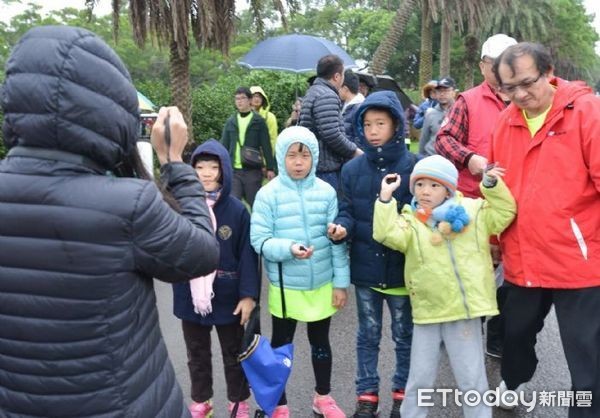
79, 332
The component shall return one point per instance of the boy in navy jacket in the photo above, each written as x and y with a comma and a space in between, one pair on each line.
377, 272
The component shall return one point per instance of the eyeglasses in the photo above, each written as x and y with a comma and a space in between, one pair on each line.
525, 84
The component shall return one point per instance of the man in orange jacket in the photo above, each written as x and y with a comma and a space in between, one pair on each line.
547, 140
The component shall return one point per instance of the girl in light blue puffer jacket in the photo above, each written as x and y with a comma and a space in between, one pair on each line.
289, 226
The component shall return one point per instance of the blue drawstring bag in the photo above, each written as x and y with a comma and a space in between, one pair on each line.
267, 370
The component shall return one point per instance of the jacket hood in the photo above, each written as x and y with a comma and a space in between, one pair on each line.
214, 147
285, 139
568, 91
394, 147
258, 89
67, 90
565, 94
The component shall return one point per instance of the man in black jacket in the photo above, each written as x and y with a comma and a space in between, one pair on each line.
322, 113
247, 128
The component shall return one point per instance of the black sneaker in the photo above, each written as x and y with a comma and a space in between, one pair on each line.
367, 406
397, 397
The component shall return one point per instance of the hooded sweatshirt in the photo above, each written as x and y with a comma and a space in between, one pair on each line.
555, 179
267, 115
288, 211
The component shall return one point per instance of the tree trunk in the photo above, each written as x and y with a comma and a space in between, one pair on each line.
426, 58
445, 49
388, 44
180, 86
471, 59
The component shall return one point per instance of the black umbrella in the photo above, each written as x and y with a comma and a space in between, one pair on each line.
385, 82
295, 53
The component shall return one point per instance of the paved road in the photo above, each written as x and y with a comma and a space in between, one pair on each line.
551, 374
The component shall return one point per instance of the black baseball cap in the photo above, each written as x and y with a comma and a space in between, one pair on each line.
445, 83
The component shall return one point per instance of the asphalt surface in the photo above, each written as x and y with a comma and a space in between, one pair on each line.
551, 374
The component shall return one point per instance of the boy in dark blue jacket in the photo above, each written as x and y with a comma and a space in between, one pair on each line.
226, 303
377, 272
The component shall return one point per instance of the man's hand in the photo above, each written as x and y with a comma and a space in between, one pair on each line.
301, 252
270, 175
477, 164
244, 307
178, 135
336, 232
339, 298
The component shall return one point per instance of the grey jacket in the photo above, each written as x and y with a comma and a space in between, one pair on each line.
79, 333
321, 113
431, 125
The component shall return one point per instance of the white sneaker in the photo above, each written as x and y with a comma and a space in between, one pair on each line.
509, 399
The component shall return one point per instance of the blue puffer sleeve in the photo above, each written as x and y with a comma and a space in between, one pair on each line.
262, 231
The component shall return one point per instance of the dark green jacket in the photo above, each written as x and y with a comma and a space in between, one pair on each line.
257, 136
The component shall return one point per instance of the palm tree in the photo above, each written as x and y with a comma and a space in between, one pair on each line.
523, 19
169, 22
445, 42
388, 44
426, 54
463, 16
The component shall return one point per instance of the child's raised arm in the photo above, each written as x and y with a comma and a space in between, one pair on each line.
499, 207
388, 185
390, 228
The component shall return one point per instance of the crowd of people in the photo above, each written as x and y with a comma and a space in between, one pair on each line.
494, 218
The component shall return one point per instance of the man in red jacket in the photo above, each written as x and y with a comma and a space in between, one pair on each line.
547, 140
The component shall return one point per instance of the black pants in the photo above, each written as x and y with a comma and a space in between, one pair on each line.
577, 312
318, 337
495, 325
197, 342
246, 183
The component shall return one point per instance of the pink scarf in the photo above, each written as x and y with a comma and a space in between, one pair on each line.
202, 287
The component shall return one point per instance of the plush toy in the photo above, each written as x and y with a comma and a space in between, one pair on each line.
451, 220
457, 217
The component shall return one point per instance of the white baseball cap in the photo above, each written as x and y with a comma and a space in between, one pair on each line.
495, 45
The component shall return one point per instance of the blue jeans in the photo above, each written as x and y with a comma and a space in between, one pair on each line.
369, 304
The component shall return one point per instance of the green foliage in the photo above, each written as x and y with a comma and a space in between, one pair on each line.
571, 40
212, 103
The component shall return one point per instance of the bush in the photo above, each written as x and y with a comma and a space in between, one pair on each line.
213, 104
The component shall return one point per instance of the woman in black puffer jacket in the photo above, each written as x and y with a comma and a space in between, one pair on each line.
81, 238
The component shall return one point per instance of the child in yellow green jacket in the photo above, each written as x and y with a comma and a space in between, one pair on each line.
448, 271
